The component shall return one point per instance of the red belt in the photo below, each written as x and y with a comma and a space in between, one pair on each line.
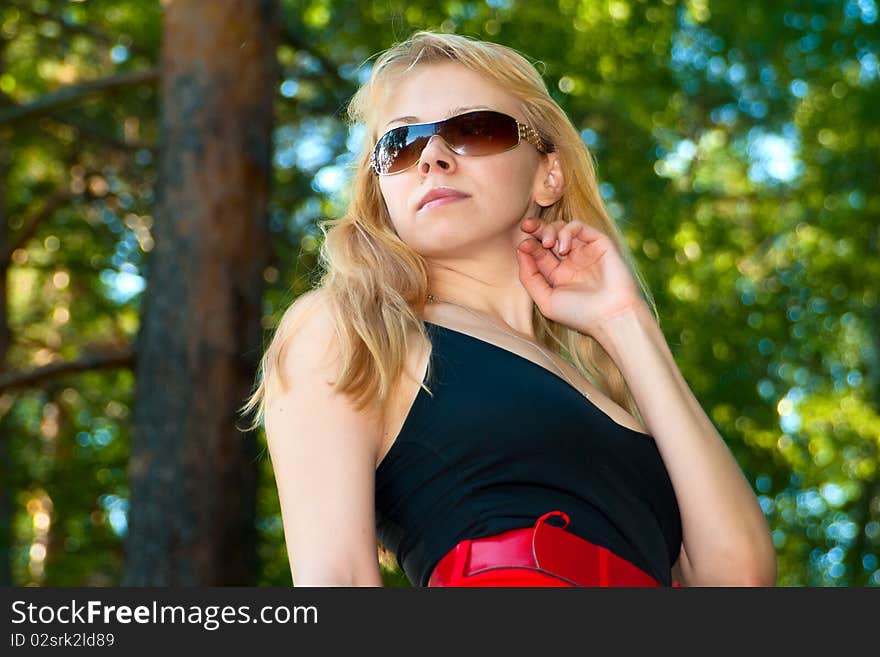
552, 550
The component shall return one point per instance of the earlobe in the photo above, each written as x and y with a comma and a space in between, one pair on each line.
553, 183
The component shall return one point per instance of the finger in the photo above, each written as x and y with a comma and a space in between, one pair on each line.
532, 278
564, 243
540, 229
583, 232
589, 244
548, 236
566, 236
530, 224
563, 240
544, 260
546, 232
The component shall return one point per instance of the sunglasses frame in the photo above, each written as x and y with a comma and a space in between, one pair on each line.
523, 132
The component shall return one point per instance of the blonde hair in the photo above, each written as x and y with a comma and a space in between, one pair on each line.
376, 285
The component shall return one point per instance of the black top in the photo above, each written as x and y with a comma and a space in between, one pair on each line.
504, 440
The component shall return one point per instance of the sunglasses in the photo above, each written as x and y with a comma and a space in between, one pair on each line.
483, 132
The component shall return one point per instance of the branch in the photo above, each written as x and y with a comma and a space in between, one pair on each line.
84, 128
300, 43
94, 361
107, 138
76, 28
74, 93
30, 224
58, 198
292, 34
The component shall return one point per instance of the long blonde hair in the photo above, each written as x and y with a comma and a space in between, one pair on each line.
376, 285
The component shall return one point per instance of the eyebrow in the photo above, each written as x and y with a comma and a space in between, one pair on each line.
452, 112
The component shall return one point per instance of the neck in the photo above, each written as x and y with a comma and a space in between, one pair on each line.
493, 313
486, 282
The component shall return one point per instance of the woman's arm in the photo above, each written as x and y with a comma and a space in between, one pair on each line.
585, 284
725, 534
324, 457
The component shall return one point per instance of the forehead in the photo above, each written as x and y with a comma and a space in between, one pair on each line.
430, 91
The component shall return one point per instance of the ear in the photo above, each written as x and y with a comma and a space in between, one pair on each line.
549, 181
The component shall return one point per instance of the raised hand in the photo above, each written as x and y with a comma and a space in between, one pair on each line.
575, 274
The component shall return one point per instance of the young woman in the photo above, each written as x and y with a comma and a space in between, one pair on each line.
479, 380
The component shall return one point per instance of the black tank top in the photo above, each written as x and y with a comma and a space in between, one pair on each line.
504, 440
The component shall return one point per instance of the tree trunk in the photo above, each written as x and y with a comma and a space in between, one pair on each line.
192, 472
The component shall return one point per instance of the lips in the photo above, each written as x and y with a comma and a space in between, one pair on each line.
441, 192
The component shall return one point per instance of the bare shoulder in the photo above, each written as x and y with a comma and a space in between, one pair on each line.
310, 351
323, 451
310, 345
310, 312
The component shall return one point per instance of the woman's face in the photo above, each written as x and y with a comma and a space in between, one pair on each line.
499, 187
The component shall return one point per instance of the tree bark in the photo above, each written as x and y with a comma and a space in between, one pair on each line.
192, 472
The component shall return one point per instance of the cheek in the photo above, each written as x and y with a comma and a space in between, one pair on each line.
507, 186
395, 196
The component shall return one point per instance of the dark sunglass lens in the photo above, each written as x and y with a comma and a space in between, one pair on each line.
481, 133
399, 148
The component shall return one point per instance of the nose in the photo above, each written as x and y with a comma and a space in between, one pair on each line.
436, 152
